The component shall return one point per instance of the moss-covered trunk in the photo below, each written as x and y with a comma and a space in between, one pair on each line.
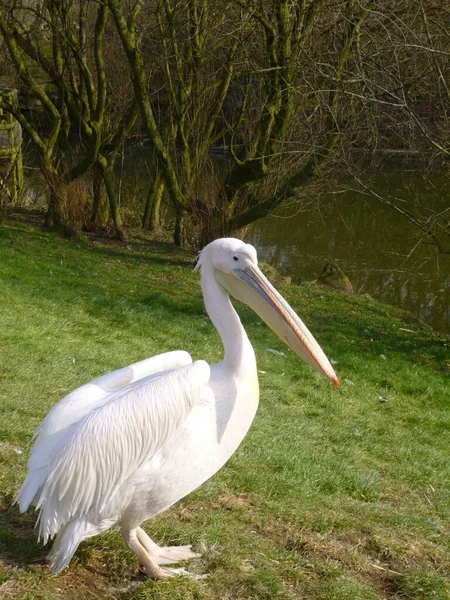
151, 219
99, 216
108, 178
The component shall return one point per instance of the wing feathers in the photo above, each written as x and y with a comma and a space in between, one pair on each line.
101, 451
55, 428
91, 395
156, 364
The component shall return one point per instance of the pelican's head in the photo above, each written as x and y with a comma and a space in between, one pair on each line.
236, 270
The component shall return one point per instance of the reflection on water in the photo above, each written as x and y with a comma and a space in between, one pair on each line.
374, 245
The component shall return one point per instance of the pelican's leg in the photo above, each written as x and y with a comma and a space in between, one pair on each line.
147, 541
165, 555
151, 567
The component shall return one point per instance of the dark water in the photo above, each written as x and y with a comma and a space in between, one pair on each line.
375, 246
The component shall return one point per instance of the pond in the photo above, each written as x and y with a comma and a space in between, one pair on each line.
375, 246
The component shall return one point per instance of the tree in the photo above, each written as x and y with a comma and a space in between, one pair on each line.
401, 83
61, 42
244, 102
268, 91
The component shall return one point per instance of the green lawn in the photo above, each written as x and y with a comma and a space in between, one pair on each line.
333, 495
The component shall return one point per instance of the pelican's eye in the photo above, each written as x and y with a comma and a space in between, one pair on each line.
236, 258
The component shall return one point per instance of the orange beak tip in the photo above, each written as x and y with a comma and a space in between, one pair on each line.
336, 382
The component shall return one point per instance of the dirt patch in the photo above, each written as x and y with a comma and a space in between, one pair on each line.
190, 511
235, 501
77, 583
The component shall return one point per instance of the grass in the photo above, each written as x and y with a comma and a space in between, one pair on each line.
334, 494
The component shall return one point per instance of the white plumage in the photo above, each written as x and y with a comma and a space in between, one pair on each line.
127, 445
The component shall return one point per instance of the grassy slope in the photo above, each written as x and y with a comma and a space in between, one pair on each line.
333, 495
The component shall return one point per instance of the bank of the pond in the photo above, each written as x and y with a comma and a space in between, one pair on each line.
334, 494
382, 253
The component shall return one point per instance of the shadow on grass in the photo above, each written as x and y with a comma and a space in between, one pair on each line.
143, 257
422, 346
137, 248
19, 548
29, 216
371, 328
167, 304
18, 541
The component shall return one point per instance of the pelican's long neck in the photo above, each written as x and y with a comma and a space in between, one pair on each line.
239, 353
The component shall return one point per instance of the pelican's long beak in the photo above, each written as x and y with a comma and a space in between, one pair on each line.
251, 287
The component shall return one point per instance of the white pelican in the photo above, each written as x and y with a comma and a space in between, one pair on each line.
126, 446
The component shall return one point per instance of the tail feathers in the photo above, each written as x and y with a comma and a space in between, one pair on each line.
66, 543
31, 488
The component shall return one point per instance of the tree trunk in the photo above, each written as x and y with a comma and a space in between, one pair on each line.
56, 215
113, 204
151, 219
99, 217
178, 236
66, 207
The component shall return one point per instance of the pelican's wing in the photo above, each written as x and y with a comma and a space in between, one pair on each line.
100, 452
78, 404
74, 407
156, 364
93, 394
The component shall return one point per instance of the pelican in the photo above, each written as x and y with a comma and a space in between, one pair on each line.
128, 445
